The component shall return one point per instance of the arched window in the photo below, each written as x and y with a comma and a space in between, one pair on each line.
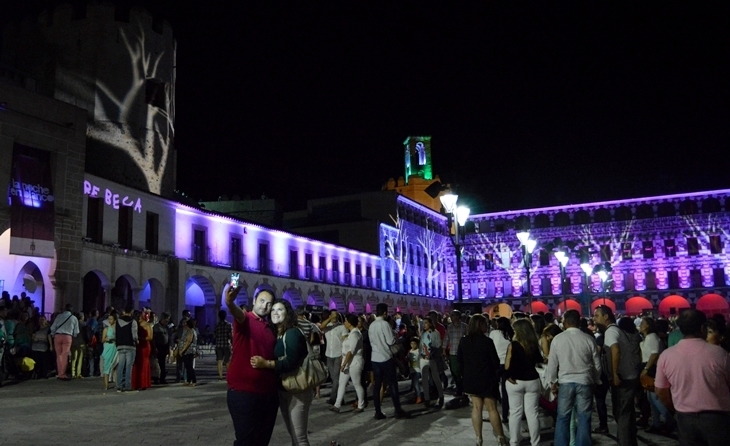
644, 211
541, 221
602, 215
666, 209
561, 219
688, 207
582, 217
622, 213
710, 205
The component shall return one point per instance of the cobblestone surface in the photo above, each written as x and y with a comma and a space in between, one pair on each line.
51, 412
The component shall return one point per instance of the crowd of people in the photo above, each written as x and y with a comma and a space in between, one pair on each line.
131, 349
668, 376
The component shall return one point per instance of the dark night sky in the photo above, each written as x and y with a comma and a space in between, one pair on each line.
527, 105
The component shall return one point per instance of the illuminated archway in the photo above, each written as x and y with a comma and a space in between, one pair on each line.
713, 304
674, 301
30, 281
568, 304
315, 298
200, 299
294, 296
636, 305
337, 302
153, 296
603, 301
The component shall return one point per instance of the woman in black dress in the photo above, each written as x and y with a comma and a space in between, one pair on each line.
479, 363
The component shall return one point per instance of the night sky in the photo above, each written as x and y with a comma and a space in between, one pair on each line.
527, 105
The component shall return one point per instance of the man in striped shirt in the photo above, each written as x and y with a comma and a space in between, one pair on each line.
454, 332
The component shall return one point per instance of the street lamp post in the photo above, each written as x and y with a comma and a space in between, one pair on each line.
460, 214
528, 246
563, 259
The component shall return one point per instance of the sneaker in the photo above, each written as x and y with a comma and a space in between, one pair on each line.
380, 416
358, 410
334, 409
119, 390
600, 430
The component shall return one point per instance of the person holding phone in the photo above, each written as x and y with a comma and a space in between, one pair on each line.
252, 397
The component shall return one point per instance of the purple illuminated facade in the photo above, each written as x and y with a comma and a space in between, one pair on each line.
665, 252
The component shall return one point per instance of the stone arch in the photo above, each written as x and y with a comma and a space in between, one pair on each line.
123, 292
30, 281
710, 205
581, 217
561, 219
674, 301
315, 297
602, 215
96, 286
337, 302
415, 307
264, 285
153, 295
371, 301
713, 304
622, 213
355, 304
688, 207
541, 221
201, 299
666, 209
644, 211
294, 296
636, 305
522, 223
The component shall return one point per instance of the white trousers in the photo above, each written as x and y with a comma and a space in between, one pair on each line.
354, 373
524, 397
295, 412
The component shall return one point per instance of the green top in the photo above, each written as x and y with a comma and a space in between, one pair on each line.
674, 337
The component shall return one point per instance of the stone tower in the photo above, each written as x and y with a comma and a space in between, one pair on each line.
419, 174
119, 65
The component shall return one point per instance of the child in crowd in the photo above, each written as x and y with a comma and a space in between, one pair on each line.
414, 363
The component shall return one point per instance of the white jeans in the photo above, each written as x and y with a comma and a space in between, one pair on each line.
524, 397
354, 372
295, 412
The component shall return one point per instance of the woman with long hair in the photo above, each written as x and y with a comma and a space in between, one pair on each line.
479, 364
109, 354
523, 382
291, 350
142, 372
502, 337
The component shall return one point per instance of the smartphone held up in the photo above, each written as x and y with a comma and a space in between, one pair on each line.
234, 280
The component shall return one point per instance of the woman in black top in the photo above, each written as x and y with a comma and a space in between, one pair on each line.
523, 382
479, 364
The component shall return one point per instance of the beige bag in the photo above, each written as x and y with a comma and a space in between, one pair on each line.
309, 375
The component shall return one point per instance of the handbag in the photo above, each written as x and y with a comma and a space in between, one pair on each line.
647, 382
546, 390
307, 376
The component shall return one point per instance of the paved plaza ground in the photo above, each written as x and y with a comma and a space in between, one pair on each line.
51, 412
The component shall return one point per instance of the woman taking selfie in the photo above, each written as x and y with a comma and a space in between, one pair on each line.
290, 351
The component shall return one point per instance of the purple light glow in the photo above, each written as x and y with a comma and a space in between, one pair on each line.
602, 203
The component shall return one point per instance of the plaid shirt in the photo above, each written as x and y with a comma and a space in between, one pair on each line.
454, 333
223, 333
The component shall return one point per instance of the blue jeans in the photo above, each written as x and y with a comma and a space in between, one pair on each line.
657, 409
416, 383
253, 415
124, 368
579, 397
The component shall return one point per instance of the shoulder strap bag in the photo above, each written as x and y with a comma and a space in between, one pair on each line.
307, 376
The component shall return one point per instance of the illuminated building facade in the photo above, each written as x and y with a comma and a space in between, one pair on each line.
666, 253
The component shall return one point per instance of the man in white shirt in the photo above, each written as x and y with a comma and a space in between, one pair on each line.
334, 331
575, 367
63, 329
381, 339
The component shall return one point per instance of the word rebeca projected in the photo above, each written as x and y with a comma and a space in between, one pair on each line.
112, 199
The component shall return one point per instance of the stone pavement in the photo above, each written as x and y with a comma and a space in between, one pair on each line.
51, 412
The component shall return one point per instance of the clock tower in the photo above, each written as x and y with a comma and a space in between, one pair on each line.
419, 174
